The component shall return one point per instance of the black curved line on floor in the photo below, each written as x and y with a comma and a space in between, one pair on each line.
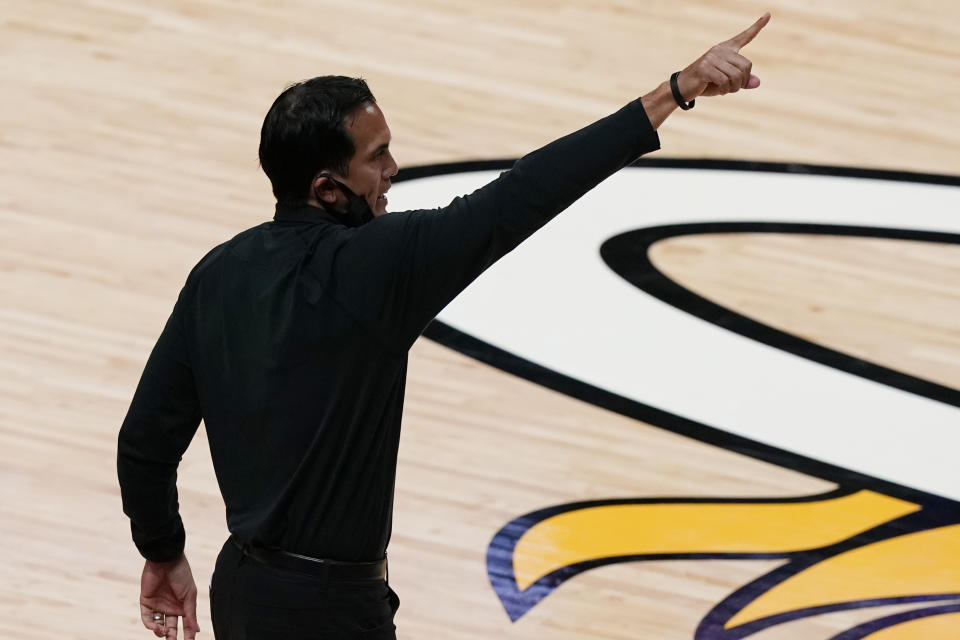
500, 164
455, 339
633, 264
549, 512
628, 256
862, 631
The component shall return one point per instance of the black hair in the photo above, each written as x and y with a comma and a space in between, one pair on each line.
305, 131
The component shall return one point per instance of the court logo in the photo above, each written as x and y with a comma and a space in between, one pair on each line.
887, 538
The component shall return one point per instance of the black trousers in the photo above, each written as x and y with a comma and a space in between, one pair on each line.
252, 601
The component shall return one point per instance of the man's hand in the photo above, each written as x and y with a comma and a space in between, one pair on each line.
168, 588
722, 69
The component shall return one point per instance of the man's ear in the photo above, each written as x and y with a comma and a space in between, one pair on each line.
325, 190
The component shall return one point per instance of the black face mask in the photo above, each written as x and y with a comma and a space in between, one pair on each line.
358, 212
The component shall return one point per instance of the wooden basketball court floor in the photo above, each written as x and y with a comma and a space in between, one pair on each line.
533, 500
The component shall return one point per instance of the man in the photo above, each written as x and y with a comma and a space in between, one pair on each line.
290, 341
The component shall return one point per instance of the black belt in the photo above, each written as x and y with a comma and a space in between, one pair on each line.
327, 570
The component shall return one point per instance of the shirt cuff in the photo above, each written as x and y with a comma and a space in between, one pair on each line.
165, 547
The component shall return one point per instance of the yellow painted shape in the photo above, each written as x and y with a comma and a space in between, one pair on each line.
943, 627
610, 531
927, 562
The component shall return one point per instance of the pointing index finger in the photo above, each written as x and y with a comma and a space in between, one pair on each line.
743, 38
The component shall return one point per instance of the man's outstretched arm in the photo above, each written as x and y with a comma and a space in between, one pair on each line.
416, 262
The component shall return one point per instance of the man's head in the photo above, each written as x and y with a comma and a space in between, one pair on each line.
323, 133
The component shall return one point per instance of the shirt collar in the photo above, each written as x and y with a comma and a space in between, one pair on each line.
302, 212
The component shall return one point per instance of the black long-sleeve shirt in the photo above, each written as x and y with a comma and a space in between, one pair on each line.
290, 342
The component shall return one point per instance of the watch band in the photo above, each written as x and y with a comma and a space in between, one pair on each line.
675, 89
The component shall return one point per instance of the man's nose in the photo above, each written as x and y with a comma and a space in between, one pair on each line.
392, 168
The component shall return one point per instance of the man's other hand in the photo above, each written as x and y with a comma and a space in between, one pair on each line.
168, 588
722, 69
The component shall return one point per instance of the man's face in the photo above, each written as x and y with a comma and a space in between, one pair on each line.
372, 165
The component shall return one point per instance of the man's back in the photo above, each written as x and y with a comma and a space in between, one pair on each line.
301, 399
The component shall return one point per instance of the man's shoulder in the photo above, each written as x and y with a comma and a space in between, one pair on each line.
395, 222
217, 253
